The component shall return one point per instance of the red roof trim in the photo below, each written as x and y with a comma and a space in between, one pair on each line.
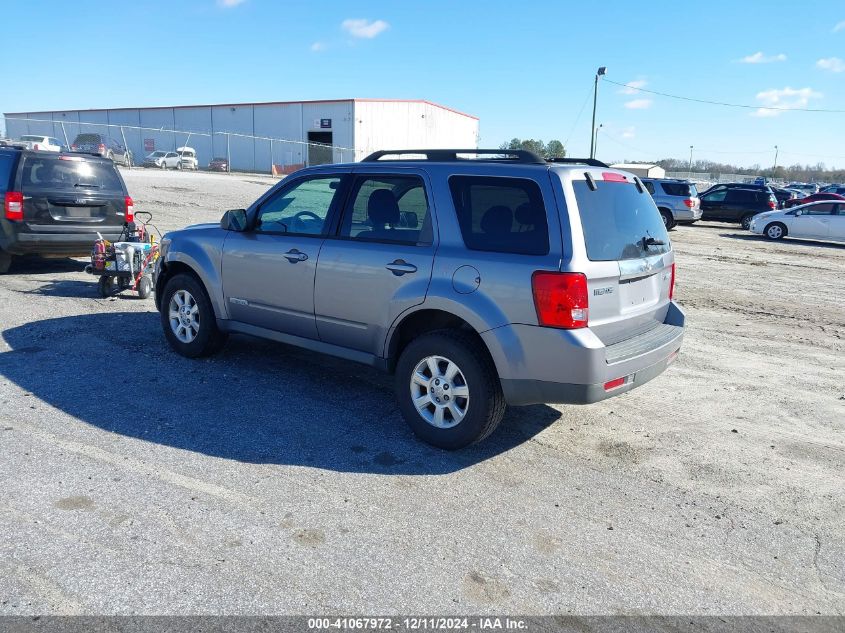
258, 103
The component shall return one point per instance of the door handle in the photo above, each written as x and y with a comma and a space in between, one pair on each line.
400, 267
294, 256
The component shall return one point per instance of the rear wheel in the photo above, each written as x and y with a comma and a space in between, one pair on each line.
668, 219
145, 287
775, 231
163, 165
5, 261
106, 285
188, 318
448, 390
745, 221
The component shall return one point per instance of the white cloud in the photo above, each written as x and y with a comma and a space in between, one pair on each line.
630, 88
318, 47
840, 26
760, 58
784, 99
228, 4
833, 64
638, 104
364, 28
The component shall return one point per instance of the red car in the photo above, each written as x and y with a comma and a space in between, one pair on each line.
816, 197
218, 164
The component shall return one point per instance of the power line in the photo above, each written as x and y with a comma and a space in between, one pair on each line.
578, 118
724, 103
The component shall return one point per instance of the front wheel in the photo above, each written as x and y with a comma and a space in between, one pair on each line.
187, 318
448, 390
745, 221
775, 231
668, 219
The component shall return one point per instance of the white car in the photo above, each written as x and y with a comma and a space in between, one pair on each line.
823, 220
164, 160
40, 143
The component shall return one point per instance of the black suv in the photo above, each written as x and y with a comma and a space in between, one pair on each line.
730, 203
103, 146
56, 203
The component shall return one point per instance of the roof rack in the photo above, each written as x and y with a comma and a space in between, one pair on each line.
592, 162
449, 155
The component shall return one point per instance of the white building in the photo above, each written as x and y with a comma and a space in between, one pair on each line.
287, 134
643, 170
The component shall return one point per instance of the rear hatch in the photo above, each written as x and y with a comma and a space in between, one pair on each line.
631, 264
91, 143
71, 193
685, 190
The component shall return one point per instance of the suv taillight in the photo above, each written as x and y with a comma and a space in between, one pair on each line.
672, 282
14, 205
560, 299
73, 147
130, 209
689, 202
101, 147
772, 204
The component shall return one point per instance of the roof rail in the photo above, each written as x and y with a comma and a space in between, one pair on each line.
592, 162
448, 155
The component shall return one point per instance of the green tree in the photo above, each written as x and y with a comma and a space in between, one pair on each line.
554, 148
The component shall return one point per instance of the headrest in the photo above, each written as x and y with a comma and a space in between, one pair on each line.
497, 220
382, 208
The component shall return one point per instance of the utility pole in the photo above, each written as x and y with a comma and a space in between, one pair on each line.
601, 71
596, 140
775, 168
689, 168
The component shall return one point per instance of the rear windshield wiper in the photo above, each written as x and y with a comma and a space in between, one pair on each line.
81, 184
651, 241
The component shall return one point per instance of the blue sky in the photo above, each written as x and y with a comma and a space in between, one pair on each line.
525, 68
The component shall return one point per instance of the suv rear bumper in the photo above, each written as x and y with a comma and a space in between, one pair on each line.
70, 244
545, 365
687, 215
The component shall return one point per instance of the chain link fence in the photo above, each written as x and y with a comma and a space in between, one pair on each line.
242, 152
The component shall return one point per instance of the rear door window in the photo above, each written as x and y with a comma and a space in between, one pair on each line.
618, 221
73, 175
7, 164
740, 197
680, 189
388, 209
501, 215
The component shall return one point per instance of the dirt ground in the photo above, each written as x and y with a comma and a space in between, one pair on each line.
273, 480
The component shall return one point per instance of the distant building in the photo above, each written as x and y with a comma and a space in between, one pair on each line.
316, 132
643, 170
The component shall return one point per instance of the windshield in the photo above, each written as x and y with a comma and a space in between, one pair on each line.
619, 221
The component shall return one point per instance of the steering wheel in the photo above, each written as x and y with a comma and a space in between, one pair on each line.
298, 217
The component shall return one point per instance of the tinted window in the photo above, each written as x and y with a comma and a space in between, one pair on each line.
87, 138
716, 196
740, 196
649, 186
75, 175
301, 209
820, 209
679, 189
617, 218
388, 209
502, 215
7, 162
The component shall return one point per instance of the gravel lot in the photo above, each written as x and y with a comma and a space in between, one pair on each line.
272, 480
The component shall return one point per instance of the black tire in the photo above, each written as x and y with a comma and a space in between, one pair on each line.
209, 339
145, 287
5, 261
774, 234
745, 221
668, 219
485, 405
163, 164
106, 285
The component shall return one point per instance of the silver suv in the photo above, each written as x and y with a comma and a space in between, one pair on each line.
677, 200
479, 282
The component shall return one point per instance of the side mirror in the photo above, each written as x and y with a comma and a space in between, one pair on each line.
234, 220
799, 212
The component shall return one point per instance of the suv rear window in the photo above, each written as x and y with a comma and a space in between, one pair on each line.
501, 215
616, 218
679, 189
76, 175
7, 163
88, 138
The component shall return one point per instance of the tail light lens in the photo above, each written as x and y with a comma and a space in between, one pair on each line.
101, 147
73, 147
689, 202
14, 205
561, 299
672, 282
772, 204
36, 147
130, 209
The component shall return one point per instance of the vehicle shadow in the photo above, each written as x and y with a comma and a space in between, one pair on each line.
257, 401
35, 265
751, 237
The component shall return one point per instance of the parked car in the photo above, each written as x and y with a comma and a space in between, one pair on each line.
162, 160
784, 195
840, 189
102, 146
816, 197
40, 143
736, 204
501, 294
57, 203
807, 189
737, 185
814, 221
187, 158
219, 164
677, 200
